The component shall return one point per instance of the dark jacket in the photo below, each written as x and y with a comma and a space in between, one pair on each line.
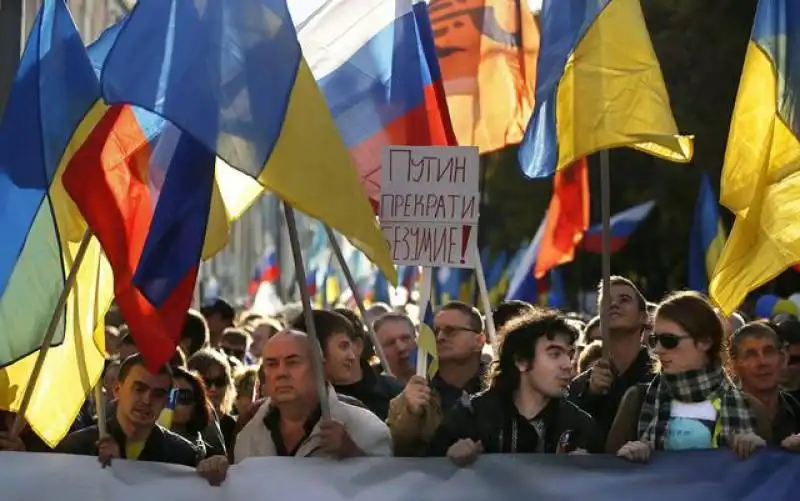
374, 391
493, 419
162, 445
603, 408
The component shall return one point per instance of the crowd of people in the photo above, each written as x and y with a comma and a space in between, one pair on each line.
672, 376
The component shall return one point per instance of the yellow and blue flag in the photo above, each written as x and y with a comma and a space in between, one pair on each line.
426, 341
761, 175
707, 238
54, 89
231, 74
599, 86
166, 416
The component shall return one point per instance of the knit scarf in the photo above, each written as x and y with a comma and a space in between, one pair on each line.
735, 414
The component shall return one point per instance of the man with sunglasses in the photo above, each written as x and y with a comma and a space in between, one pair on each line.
133, 432
788, 330
416, 413
236, 343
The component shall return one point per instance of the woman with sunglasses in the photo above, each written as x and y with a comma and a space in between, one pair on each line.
193, 411
691, 404
216, 373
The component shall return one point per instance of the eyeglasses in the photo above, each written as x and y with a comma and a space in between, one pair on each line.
668, 340
449, 331
216, 382
184, 396
233, 352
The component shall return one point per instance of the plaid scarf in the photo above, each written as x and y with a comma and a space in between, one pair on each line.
702, 385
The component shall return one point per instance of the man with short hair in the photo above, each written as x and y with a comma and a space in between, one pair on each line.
788, 330
350, 374
417, 412
133, 432
219, 316
235, 343
397, 335
290, 422
600, 389
757, 358
194, 334
524, 410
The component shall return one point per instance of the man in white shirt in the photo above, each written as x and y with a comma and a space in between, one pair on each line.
289, 423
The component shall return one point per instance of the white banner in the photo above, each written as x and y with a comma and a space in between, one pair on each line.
430, 203
690, 476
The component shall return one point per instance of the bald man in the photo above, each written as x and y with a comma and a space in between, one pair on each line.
290, 421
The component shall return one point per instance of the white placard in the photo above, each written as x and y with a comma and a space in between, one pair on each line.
430, 202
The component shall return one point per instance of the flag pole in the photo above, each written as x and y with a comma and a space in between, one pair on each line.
337, 250
100, 409
69, 284
305, 297
605, 208
425, 294
486, 304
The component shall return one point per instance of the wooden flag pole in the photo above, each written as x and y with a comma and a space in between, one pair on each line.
100, 408
424, 299
69, 284
605, 207
305, 297
486, 304
359, 300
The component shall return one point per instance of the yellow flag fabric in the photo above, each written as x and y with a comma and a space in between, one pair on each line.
612, 93
760, 185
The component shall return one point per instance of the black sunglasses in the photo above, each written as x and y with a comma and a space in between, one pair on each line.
667, 340
184, 397
233, 352
218, 382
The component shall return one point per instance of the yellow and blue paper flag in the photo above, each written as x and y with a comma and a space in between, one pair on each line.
707, 238
599, 86
761, 175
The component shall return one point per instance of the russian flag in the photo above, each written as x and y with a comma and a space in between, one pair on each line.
622, 226
523, 285
375, 61
266, 271
311, 282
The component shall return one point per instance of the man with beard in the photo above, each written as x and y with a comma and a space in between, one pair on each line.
523, 411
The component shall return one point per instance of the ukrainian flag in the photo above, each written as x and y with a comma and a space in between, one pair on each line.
231, 74
707, 238
599, 86
165, 418
55, 87
761, 174
426, 341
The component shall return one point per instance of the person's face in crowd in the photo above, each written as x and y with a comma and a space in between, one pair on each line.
110, 379
185, 401
126, 350
142, 396
399, 342
625, 313
758, 363
233, 348
791, 371
245, 395
676, 349
341, 362
217, 383
455, 339
288, 372
217, 324
551, 370
260, 335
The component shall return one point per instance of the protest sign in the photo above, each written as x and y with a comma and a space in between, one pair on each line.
717, 475
430, 202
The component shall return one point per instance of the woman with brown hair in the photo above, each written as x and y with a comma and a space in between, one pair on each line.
193, 411
691, 404
216, 373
